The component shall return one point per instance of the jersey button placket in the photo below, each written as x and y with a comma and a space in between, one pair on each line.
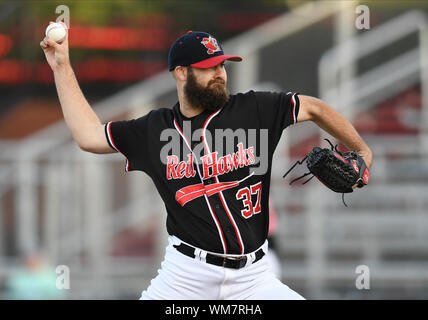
209, 181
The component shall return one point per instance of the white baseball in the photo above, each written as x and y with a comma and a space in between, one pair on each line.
56, 32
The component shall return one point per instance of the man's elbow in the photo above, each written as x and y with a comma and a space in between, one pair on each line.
85, 146
95, 147
93, 141
311, 109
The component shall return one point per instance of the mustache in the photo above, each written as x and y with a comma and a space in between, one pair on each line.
218, 80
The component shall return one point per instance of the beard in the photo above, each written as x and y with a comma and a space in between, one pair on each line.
212, 97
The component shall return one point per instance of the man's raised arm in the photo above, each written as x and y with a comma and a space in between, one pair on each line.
85, 126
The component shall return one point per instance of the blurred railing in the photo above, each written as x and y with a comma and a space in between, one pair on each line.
365, 90
385, 227
388, 218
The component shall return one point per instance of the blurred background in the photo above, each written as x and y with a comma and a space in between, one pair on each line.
60, 206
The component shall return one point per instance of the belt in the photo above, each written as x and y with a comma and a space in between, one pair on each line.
226, 262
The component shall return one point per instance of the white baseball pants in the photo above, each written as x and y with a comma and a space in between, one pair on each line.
183, 278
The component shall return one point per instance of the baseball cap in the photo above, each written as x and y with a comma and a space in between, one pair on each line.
197, 49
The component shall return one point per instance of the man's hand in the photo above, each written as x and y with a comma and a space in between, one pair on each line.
56, 53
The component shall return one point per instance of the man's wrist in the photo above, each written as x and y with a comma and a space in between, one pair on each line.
63, 68
367, 156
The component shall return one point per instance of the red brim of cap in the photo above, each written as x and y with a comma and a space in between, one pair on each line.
212, 62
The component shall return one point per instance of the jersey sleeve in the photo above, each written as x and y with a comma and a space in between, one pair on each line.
278, 109
130, 138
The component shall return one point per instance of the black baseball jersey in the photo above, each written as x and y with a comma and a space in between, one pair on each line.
213, 170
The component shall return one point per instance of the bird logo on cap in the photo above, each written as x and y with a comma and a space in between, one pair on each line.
211, 44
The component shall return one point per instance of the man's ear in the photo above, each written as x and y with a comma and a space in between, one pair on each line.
180, 73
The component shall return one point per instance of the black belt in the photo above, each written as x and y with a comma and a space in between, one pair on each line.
227, 262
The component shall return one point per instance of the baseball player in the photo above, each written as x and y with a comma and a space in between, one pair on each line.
210, 171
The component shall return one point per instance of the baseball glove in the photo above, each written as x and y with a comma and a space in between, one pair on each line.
339, 172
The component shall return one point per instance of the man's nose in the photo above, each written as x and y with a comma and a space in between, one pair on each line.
219, 70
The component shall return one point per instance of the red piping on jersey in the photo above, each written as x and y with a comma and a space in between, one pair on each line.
182, 134
294, 108
114, 145
223, 201
204, 128
217, 222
